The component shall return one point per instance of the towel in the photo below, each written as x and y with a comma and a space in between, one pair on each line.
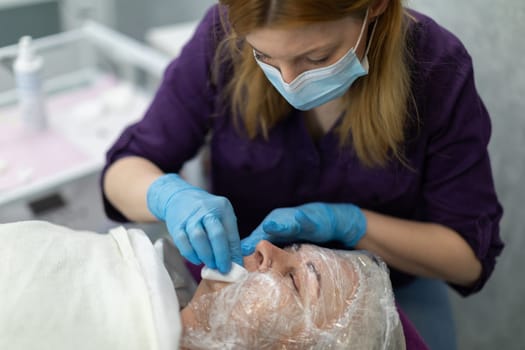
70, 289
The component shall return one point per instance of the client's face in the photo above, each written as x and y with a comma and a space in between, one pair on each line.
286, 293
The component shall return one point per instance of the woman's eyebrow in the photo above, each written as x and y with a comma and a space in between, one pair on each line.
321, 48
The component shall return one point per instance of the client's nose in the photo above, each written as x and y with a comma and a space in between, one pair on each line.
270, 257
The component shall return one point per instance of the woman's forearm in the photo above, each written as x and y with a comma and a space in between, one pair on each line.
422, 249
126, 183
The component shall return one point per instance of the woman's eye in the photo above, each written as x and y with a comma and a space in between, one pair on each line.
318, 61
261, 57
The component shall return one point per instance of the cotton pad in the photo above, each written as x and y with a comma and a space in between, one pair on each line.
236, 273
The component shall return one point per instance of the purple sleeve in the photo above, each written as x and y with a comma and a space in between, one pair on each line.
177, 121
458, 190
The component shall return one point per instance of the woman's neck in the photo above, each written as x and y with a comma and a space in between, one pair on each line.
320, 120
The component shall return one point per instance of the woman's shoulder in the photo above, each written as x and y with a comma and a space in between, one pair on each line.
200, 48
432, 46
213, 17
441, 71
442, 80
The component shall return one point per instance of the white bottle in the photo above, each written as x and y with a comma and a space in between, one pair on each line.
27, 68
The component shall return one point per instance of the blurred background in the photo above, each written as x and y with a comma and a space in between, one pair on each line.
492, 31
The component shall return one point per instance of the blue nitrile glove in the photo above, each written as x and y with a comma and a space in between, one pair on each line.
313, 222
203, 226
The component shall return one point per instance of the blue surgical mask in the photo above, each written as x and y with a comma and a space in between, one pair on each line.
316, 87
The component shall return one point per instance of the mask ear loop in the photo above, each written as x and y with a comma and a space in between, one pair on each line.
371, 38
362, 31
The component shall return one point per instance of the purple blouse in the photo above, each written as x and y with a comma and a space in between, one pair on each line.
450, 183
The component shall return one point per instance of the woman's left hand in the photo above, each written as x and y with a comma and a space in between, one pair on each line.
312, 222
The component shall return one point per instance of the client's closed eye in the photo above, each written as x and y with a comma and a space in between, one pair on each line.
295, 282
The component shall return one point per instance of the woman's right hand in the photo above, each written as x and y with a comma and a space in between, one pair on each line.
203, 226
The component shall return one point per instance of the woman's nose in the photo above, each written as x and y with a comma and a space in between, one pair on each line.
270, 257
288, 73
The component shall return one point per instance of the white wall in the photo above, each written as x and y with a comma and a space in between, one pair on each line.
15, 3
135, 17
131, 17
75, 12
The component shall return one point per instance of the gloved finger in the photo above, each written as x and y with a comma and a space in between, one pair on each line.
281, 223
234, 240
218, 241
282, 229
181, 241
305, 223
201, 245
249, 243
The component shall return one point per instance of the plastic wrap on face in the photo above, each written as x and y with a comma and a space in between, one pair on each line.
303, 297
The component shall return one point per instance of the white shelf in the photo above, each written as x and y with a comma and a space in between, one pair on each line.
97, 82
83, 123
